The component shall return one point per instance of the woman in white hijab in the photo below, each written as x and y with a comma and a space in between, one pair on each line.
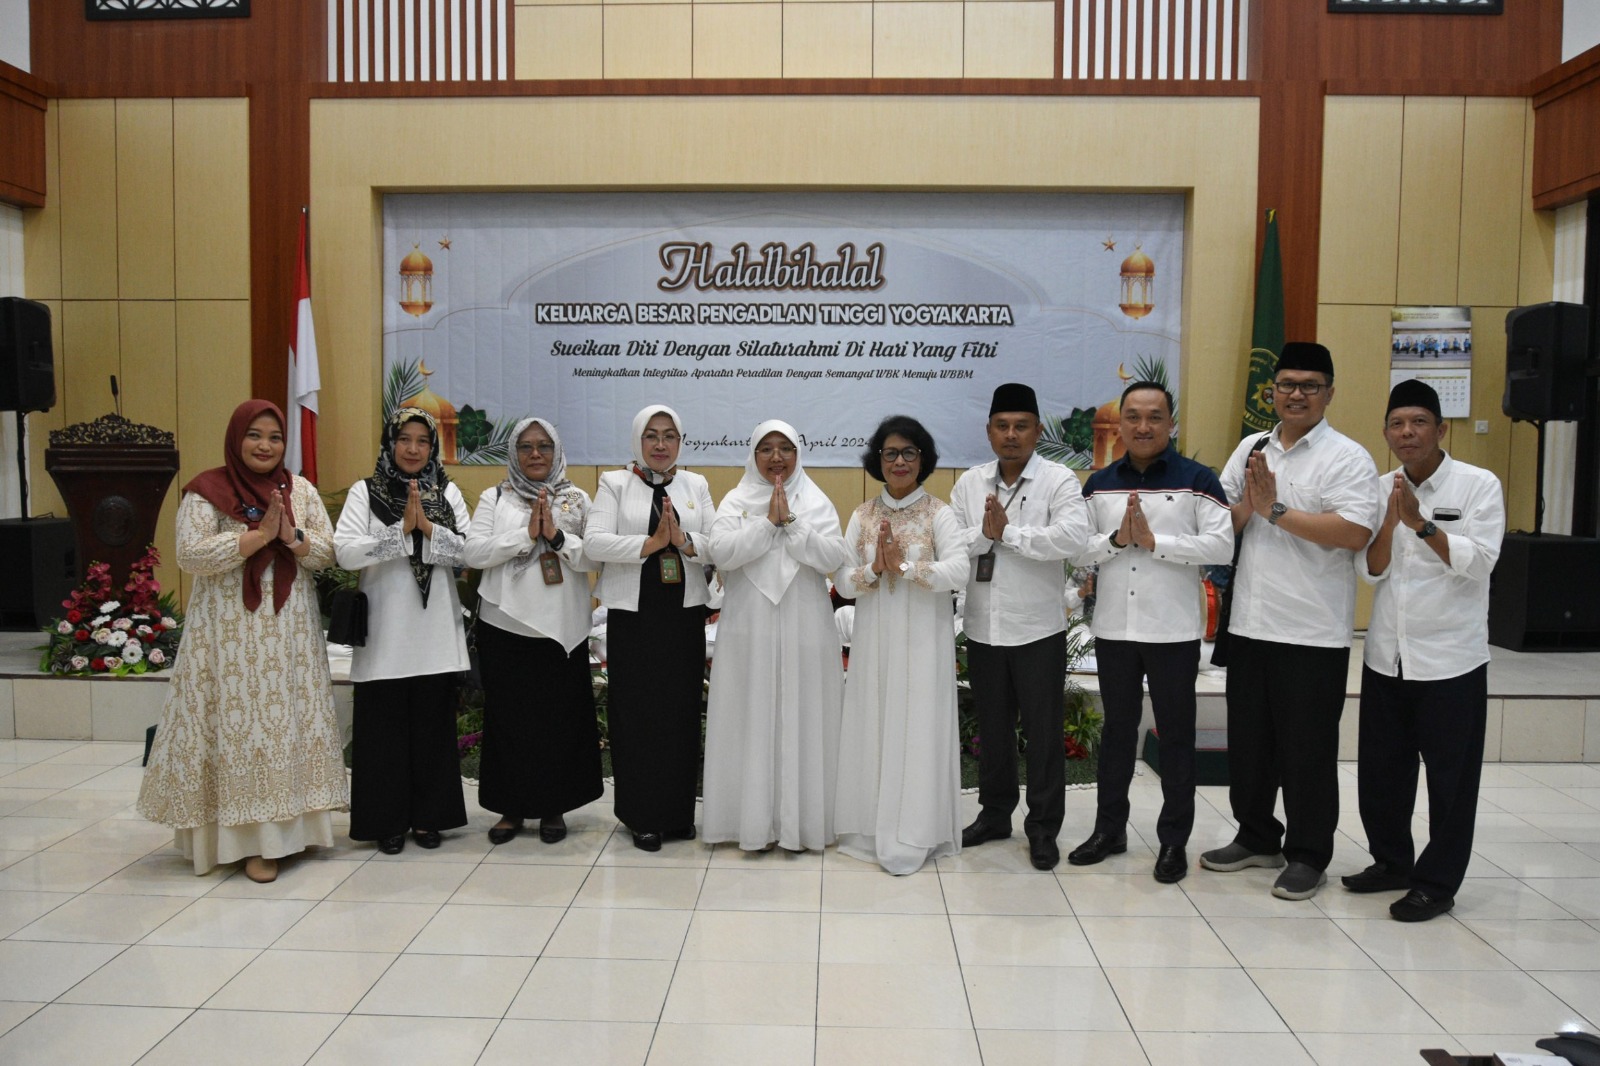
541, 743
772, 725
650, 528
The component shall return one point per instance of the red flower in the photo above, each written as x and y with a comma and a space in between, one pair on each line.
81, 635
1075, 750
74, 617
98, 664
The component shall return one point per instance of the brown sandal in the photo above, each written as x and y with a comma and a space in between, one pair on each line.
261, 871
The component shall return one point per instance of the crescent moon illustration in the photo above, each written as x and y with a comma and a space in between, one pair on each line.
1123, 374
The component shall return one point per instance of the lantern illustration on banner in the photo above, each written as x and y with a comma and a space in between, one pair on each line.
443, 412
1138, 284
1108, 446
416, 282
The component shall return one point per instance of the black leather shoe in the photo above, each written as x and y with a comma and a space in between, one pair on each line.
1418, 906
981, 832
502, 834
426, 838
1172, 864
1376, 878
686, 833
647, 841
1043, 853
1096, 848
552, 830
392, 845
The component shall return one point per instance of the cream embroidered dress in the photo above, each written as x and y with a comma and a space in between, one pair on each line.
247, 759
899, 755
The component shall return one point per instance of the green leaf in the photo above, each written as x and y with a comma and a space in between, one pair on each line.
402, 382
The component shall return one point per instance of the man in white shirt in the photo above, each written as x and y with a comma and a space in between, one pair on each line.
1424, 678
1158, 516
1024, 517
1304, 504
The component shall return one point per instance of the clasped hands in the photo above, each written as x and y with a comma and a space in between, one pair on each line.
414, 517
890, 556
274, 526
1403, 509
1260, 485
1135, 528
541, 522
778, 512
667, 531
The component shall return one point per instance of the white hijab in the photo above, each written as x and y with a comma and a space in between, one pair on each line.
774, 571
640, 421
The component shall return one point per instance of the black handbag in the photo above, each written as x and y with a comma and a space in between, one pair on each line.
347, 618
1219, 645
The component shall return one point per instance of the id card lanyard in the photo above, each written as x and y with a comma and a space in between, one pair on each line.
986, 560
668, 559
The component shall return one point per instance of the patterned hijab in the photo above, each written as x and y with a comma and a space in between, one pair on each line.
640, 422
566, 501
389, 487
243, 495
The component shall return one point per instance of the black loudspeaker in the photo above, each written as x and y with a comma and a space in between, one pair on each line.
1542, 593
39, 557
1547, 346
27, 371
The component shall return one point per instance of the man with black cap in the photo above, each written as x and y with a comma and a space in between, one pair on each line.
1424, 678
1304, 503
1024, 516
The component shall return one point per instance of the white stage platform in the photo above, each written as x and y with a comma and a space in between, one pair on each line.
1543, 707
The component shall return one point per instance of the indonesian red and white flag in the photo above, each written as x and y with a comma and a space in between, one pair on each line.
305, 380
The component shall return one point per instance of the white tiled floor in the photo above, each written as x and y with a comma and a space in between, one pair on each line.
591, 952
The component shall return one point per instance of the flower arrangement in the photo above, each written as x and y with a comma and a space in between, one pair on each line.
102, 634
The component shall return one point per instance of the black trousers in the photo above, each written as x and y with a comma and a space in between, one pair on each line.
407, 770
1023, 681
1171, 668
1284, 703
1442, 723
657, 672
541, 741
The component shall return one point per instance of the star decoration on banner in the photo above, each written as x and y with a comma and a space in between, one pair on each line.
445, 244
1109, 244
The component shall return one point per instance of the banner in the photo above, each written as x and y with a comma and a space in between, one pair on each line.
827, 310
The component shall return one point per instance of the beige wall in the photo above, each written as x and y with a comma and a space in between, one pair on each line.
760, 39
142, 255
1206, 147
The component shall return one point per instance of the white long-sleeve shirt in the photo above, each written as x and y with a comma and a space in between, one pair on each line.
515, 598
619, 524
1430, 620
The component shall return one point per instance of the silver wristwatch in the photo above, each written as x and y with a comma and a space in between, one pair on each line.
1279, 509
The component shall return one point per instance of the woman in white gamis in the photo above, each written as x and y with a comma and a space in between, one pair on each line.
899, 753
772, 720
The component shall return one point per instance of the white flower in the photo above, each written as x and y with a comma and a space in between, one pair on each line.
115, 638
122, 624
169, 621
132, 653
102, 636
139, 617
63, 627
102, 620
157, 657
110, 606
78, 662
145, 632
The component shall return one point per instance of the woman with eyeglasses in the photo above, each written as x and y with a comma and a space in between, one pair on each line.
772, 722
247, 762
403, 529
541, 743
649, 529
899, 756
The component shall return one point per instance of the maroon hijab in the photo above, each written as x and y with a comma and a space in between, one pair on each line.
243, 495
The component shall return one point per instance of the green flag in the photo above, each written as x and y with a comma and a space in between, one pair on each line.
1266, 335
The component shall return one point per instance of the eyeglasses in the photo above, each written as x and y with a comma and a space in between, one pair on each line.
660, 438
767, 451
891, 455
547, 448
1307, 389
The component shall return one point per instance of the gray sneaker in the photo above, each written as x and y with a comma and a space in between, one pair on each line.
1238, 857
1299, 881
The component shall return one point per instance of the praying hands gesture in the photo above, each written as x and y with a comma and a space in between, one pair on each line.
890, 555
272, 521
995, 518
541, 522
667, 532
1403, 509
778, 512
1135, 528
1260, 485
414, 516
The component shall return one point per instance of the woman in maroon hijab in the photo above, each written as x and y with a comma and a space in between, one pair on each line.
247, 762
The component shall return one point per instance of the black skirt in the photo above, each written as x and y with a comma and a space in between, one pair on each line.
541, 743
656, 662
407, 769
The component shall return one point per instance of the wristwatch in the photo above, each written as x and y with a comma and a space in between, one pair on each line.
688, 542
1428, 529
1279, 509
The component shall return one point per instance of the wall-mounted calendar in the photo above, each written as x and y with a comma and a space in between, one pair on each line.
1434, 344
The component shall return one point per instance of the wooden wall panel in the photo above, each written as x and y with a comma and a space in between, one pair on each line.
144, 199
22, 120
1360, 200
1492, 196
41, 229
213, 361
88, 170
149, 380
1430, 199
1536, 264
211, 219
1568, 158
91, 351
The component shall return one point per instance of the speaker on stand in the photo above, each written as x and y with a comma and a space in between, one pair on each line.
1541, 592
37, 553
